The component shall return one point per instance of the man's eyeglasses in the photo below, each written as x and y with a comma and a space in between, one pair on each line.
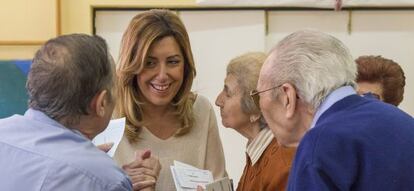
254, 94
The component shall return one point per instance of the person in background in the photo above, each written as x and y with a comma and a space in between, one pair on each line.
71, 99
381, 77
155, 74
347, 142
267, 163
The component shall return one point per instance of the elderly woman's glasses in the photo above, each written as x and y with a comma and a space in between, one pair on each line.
370, 95
254, 94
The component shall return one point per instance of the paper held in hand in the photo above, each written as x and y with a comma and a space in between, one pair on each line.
223, 184
187, 178
113, 133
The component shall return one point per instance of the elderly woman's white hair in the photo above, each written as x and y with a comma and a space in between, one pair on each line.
246, 68
314, 62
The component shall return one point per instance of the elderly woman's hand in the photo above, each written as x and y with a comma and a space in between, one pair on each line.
144, 171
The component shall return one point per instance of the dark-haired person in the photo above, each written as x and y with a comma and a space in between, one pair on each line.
381, 77
71, 99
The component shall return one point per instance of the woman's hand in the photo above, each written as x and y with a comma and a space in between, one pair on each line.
105, 147
144, 171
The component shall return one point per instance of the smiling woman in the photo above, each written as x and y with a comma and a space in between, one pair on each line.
163, 72
155, 74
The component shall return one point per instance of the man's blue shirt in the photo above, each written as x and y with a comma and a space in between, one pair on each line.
38, 153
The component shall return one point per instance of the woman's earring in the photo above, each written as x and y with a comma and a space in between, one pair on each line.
254, 118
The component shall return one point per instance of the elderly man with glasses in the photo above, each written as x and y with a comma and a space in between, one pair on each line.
346, 142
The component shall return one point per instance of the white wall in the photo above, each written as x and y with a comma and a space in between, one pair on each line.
111, 26
386, 33
218, 36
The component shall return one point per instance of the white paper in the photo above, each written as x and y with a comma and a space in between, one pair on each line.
113, 133
187, 177
223, 184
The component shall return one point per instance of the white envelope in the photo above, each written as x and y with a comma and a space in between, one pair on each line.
113, 133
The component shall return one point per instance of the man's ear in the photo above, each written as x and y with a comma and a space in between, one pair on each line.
99, 103
289, 99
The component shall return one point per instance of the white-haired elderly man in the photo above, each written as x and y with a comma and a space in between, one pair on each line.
347, 142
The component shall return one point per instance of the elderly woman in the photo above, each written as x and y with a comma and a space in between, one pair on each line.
381, 77
268, 164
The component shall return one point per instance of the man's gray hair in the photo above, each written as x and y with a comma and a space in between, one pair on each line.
66, 73
314, 62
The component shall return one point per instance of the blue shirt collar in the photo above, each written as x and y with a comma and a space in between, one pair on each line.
42, 117
331, 99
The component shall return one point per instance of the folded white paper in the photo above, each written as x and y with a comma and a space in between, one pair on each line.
113, 133
187, 177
